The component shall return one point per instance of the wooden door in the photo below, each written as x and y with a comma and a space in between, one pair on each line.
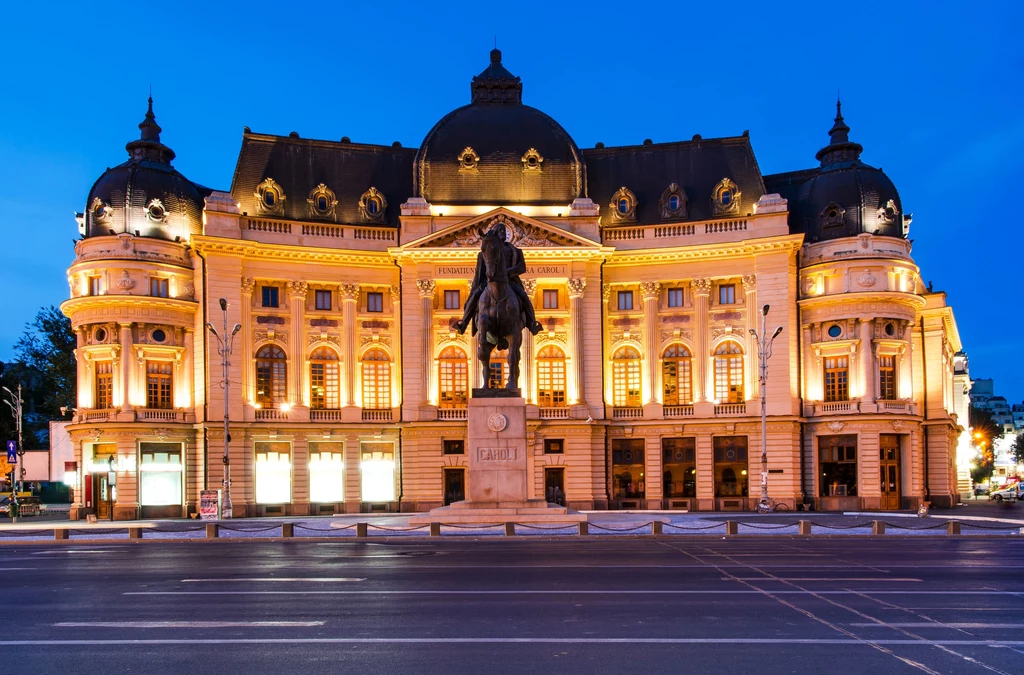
889, 472
103, 496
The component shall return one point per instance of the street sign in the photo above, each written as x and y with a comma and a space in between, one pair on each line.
12, 452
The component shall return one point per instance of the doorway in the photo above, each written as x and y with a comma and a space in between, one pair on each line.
554, 485
889, 470
454, 486
103, 495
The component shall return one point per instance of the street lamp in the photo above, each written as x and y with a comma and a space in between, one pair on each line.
14, 402
224, 345
764, 352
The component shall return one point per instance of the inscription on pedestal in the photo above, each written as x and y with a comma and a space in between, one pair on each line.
497, 454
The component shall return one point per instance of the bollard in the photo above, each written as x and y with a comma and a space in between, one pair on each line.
656, 528
585, 528
287, 530
804, 527
435, 529
877, 527
135, 533
510, 529
732, 527
212, 530
953, 527
60, 533
361, 530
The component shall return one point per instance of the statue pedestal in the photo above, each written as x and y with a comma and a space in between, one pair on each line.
498, 477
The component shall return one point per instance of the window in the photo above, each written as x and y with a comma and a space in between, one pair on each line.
680, 470
890, 329
104, 385
271, 376
324, 391
837, 465
158, 384
626, 378
323, 300
551, 377
554, 446
326, 472
453, 378
675, 297
269, 296
374, 302
725, 197
498, 369
623, 206
729, 373
837, 380
454, 447
158, 287
94, 286
673, 202
376, 380
730, 466
625, 299
273, 473
675, 375
160, 474
628, 468
727, 294
270, 197
550, 299
377, 469
835, 331
887, 378
451, 300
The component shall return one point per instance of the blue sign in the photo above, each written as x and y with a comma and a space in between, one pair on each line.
12, 452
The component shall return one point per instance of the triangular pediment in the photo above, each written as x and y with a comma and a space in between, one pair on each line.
526, 233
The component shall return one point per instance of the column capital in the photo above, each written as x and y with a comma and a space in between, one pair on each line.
650, 289
396, 294
701, 287
248, 284
749, 283
606, 292
529, 285
298, 289
349, 292
425, 287
577, 286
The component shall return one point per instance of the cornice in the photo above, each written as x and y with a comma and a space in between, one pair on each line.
531, 254
789, 243
856, 297
206, 245
114, 302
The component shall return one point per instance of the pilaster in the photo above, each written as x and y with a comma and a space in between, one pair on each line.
577, 286
349, 294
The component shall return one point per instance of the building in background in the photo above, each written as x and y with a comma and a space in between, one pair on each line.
347, 264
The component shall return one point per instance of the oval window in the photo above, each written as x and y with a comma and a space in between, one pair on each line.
372, 207
156, 212
159, 335
623, 205
100, 334
726, 198
834, 331
673, 202
321, 203
890, 329
833, 214
269, 198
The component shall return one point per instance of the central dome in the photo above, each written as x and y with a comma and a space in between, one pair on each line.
498, 151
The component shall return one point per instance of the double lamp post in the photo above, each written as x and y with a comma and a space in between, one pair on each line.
764, 352
224, 346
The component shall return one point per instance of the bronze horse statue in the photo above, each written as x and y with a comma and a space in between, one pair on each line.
499, 313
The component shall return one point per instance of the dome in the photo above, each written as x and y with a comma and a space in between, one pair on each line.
498, 151
145, 195
846, 197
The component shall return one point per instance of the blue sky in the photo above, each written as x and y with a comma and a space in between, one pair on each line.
931, 90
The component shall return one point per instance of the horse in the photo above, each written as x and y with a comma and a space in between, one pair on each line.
499, 316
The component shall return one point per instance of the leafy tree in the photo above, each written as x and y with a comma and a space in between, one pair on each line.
985, 431
1018, 447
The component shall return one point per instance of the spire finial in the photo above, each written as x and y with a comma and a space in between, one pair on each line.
839, 146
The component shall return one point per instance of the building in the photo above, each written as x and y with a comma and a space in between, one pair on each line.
983, 397
346, 265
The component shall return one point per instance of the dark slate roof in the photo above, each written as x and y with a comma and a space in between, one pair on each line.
299, 165
788, 185
697, 166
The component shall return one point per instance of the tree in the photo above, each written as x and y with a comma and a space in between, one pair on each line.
984, 431
1018, 447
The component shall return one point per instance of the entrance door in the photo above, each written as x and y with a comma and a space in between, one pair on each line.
889, 471
554, 486
454, 485
103, 496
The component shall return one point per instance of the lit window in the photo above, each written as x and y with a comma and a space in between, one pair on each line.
453, 378
271, 376
269, 296
324, 379
158, 288
94, 286
551, 377
376, 370
837, 463
550, 299
497, 369
675, 297
273, 473
104, 385
326, 472
729, 373
625, 300
377, 469
323, 300
628, 468
160, 474
675, 375
887, 378
374, 302
730, 466
158, 384
626, 378
727, 294
451, 300
837, 379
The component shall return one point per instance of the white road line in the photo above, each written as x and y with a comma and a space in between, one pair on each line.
818, 579
579, 592
69, 551
316, 580
938, 624
16, 569
187, 624
514, 640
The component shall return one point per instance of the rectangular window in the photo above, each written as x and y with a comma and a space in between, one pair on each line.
679, 467
160, 474
326, 472
374, 302
94, 286
837, 466
837, 379
727, 294
158, 287
269, 296
104, 385
454, 447
323, 300
550, 299
675, 297
887, 378
158, 384
730, 466
554, 446
377, 470
628, 468
451, 300
625, 299
273, 473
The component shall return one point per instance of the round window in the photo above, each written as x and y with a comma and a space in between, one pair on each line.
532, 161
890, 329
834, 331
159, 335
156, 212
100, 334
833, 214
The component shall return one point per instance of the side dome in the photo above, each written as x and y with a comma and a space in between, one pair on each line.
846, 197
145, 195
498, 151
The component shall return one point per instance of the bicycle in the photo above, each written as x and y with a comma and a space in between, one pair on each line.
770, 506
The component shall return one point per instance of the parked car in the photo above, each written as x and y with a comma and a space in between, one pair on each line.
980, 490
1009, 493
28, 505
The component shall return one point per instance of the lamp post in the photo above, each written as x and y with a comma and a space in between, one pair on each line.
14, 402
224, 345
764, 352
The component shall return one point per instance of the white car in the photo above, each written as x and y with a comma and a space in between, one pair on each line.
1009, 493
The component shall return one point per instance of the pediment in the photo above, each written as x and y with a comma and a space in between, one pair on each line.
525, 232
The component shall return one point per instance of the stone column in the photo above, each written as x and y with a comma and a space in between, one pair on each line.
349, 294
701, 356
297, 393
126, 366
649, 290
85, 387
576, 288
426, 290
867, 365
245, 338
189, 400
527, 375
753, 312
398, 378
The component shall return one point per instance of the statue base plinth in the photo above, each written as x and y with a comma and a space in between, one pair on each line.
487, 392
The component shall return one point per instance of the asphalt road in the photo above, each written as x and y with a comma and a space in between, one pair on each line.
613, 605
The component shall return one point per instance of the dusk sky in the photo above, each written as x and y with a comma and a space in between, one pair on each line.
933, 91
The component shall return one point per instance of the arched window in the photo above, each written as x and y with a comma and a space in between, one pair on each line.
675, 376
323, 379
453, 377
626, 378
551, 377
729, 373
376, 380
271, 376
498, 369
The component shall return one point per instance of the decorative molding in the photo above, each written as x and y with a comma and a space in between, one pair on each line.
468, 160
376, 324
298, 289
577, 285
372, 206
532, 161
396, 294
314, 338
676, 334
348, 291
887, 214
866, 280
262, 208
618, 214
273, 320
444, 337
649, 289
832, 215
749, 282
322, 194
606, 292
898, 425
323, 323
125, 283
701, 286
248, 284
156, 212
101, 212
836, 427
425, 287
276, 336
551, 336
678, 213
374, 339
529, 285
676, 318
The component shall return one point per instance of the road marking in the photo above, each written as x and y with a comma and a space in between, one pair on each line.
938, 624
513, 640
187, 624
16, 569
68, 551
670, 591
317, 580
774, 578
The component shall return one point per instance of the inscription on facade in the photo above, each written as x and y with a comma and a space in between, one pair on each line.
497, 454
467, 271
274, 320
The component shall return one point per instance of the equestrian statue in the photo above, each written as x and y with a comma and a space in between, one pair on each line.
498, 305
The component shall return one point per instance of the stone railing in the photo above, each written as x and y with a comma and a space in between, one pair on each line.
317, 230
554, 413
896, 407
269, 414
630, 413
730, 409
374, 233
383, 415
272, 226
451, 413
836, 407
678, 411
160, 414
101, 415
324, 415
637, 232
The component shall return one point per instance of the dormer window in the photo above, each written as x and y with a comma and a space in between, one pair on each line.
623, 206
322, 202
372, 206
673, 203
888, 213
269, 198
832, 215
468, 159
532, 160
725, 199
155, 211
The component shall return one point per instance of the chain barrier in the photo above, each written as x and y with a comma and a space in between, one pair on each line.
843, 527
544, 527
229, 528
1007, 528
108, 530
616, 529
324, 529
197, 528
24, 533
694, 529
905, 527
482, 526
767, 527
396, 529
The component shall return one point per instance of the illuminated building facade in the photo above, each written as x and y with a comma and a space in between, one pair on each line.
347, 264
